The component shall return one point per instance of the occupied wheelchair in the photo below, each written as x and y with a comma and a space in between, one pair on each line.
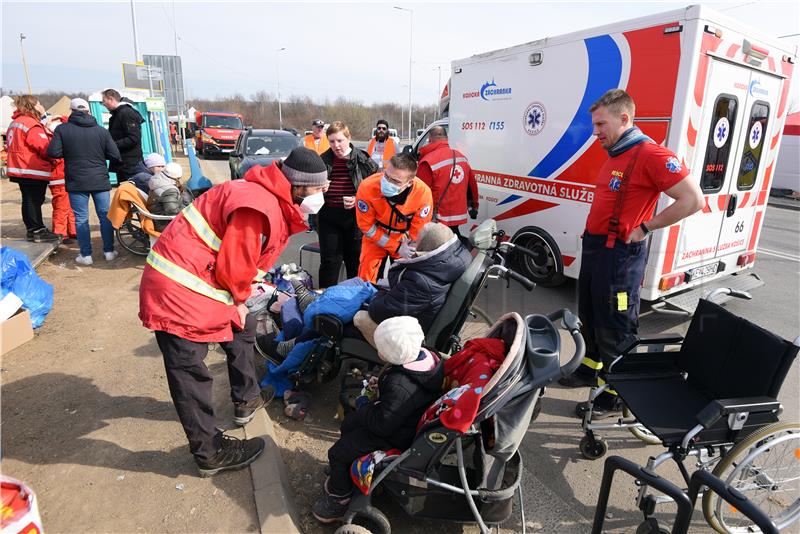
137, 232
457, 321
715, 400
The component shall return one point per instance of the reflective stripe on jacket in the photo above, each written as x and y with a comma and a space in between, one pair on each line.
27, 140
435, 169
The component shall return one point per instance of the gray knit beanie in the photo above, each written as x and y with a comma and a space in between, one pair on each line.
432, 236
304, 167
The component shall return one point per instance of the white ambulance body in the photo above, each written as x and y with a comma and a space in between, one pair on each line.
705, 86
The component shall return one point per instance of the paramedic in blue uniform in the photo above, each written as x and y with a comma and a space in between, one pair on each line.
614, 250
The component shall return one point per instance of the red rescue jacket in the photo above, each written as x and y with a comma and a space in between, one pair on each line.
434, 169
179, 292
27, 140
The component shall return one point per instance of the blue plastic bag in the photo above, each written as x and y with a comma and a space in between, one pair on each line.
20, 279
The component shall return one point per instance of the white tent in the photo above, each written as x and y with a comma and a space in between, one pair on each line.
7, 109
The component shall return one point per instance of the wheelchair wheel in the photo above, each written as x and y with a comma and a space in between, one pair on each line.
592, 448
765, 467
639, 431
132, 238
476, 326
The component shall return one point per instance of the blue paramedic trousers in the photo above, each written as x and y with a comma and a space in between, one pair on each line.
608, 301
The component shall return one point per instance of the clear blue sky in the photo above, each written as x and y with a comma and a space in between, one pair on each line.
356, 50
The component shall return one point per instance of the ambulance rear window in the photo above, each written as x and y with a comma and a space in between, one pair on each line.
720, 139
753, 146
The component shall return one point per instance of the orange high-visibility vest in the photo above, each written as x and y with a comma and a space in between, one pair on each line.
318, 148
389, 150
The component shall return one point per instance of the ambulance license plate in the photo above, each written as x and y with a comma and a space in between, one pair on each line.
701, 272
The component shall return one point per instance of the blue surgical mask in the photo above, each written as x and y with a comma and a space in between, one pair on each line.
389, 189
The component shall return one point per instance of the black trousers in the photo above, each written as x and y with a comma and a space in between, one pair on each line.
339, 239
356, 441
190, 383
608, 299
33, 194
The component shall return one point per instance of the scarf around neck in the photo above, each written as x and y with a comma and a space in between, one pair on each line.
629, 139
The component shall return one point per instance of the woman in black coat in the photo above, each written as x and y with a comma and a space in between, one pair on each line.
339, 237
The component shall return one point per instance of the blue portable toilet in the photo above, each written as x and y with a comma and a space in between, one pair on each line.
155, 128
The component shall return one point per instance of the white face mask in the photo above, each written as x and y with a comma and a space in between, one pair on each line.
312, 203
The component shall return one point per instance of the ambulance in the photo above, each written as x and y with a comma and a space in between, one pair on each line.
706, 86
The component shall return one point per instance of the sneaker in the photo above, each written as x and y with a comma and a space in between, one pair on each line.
244, 412
331, 508
84, 260
599, 411
43, 235
111, 255
576, 381
234, 453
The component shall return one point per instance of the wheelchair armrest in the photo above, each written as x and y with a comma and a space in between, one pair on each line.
328, 326
644, 362
633, 341
719, 408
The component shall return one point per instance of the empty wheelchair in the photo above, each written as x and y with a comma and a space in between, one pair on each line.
714, 400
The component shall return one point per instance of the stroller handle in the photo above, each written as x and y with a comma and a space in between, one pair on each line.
573, 325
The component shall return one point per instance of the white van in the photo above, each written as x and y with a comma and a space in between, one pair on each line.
706, 86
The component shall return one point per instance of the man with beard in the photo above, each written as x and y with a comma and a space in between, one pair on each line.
382, 147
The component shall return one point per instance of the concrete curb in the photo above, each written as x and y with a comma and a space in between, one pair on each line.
784, 203
274, 504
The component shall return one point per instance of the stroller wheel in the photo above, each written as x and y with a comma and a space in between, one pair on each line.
537, 409
368, 521
352, 529
593, 448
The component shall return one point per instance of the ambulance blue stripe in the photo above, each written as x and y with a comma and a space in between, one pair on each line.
605, 70
509, 198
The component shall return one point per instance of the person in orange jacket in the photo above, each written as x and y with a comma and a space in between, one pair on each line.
317, 140
392, 207
382, 147
63, 217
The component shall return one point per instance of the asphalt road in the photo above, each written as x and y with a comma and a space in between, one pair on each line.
560, 488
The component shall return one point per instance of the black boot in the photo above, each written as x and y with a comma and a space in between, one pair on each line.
244, 412
331, 508
234, 453
43, 235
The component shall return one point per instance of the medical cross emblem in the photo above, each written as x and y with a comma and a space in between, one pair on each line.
458, 174
721, 131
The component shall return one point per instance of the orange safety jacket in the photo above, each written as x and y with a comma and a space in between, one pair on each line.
389, 149
319, 149
384, 223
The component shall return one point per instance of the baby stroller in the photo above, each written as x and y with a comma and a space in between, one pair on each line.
716, 400
472, 475
133, 224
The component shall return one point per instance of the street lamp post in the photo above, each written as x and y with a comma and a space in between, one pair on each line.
25, 63
135, 35
410, 48
278, 68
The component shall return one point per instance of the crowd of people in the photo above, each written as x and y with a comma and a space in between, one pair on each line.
369, 208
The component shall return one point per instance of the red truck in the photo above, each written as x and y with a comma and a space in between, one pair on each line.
217, 132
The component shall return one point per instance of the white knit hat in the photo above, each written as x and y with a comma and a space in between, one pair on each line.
399, 340
173, 170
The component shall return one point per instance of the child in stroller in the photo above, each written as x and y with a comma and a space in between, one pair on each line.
407, 385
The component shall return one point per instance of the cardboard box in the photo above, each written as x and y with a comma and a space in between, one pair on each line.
15, 331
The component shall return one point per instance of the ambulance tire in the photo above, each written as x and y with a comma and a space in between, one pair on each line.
546, 267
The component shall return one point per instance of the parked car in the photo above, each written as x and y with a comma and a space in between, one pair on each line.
260, 147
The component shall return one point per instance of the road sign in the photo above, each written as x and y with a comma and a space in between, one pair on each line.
131, 79
147, 71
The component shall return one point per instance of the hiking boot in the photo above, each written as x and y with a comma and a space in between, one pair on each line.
331, 508
234, 453
577, 381
43, 235
244, 412
599, 411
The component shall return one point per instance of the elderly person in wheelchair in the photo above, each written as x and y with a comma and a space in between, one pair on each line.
416, 286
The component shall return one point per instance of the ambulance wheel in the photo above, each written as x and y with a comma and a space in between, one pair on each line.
592, 448
545, 265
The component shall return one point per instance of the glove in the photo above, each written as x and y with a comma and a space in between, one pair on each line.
406, 250
473, 213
